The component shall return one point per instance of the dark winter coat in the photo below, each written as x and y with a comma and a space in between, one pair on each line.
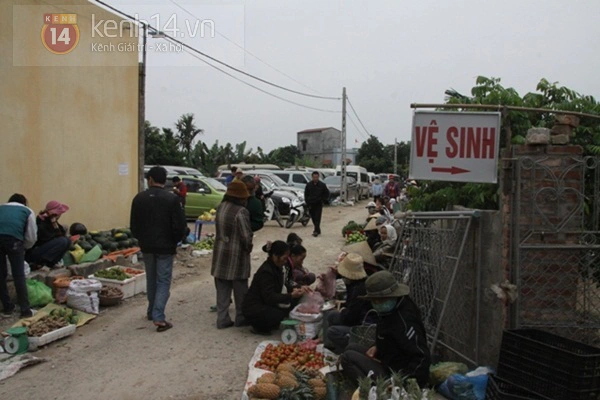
356, 309
316, 193
266, 290
157, 220
402, 342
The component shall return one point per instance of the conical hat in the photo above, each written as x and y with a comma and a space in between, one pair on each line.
352, 267
363, 250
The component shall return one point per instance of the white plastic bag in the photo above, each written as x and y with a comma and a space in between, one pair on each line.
294, 314
86, 302
85, 285
26, 267
83, 295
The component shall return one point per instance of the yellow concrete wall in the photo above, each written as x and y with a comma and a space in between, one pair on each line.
66, 129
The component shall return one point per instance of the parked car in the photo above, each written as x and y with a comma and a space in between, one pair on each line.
362, 178
203, 194
334, 184
270, 177
177, 170
297, 179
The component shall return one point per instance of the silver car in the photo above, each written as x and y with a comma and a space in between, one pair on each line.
334, 184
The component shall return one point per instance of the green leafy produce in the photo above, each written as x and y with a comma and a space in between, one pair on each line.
206, 244
67, 313
351, 227
356, 237
113, 273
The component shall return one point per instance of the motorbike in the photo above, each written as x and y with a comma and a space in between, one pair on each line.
298, 212
271, 210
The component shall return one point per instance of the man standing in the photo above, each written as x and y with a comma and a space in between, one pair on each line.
180, 189
231, 253
255, 206
315, 194
18, 231
158, 222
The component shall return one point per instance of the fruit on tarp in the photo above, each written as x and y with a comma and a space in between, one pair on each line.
264, 391
77, 228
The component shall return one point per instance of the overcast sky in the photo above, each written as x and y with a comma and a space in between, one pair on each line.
388, 54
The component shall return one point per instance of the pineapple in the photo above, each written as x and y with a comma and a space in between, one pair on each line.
269, 377
268, 391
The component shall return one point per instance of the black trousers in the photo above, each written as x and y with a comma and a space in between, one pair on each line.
268, 320
13, 249
357, 364
316, 210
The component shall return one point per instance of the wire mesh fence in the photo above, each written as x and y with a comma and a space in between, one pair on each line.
435, 258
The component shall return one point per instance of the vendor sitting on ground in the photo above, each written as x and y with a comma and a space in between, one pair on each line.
389, 237
400, 344
52, 242
293, 239
372, 233
340, 322
269, 299
300, 276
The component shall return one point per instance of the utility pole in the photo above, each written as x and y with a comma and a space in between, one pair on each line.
395, 156
142, 112
343, 142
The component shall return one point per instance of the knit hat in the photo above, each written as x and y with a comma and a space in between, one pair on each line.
363, 250
351, 267
56, 208
237, 189
383, 284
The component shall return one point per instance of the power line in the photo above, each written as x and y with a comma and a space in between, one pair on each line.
257, 88
215, 59
356, 126
247, 51
359, 120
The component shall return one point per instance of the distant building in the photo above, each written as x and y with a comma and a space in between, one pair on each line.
323, 145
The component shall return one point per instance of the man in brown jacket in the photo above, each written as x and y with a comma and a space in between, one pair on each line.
231, 253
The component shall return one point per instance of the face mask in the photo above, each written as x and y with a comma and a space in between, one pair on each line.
385, 307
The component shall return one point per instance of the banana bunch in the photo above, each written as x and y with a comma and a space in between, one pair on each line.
207, 216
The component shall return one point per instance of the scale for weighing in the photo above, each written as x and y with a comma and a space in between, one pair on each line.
289, 334
17, 342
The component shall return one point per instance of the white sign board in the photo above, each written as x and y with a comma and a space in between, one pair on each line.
455, 146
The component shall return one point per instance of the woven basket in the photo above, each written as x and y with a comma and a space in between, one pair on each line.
363, 334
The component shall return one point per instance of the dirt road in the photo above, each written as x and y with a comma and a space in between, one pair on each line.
119, 355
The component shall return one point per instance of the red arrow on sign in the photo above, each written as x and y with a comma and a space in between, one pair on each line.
451, 170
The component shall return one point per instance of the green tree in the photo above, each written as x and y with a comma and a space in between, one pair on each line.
161, 148
284, 156
372, 156
186, 133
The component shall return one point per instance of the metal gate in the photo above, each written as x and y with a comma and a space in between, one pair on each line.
555, 245
438, 258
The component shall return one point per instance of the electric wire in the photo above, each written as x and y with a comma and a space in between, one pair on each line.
257, 88
356, 126
215, 59
355, 113
247, 51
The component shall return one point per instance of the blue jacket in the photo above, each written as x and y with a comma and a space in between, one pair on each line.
18, 221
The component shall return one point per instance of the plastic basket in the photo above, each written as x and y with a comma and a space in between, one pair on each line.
551, 365
500, 389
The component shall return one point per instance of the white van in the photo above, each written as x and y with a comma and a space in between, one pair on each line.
360, 174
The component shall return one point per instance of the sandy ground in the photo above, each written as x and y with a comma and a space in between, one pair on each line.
119, 355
